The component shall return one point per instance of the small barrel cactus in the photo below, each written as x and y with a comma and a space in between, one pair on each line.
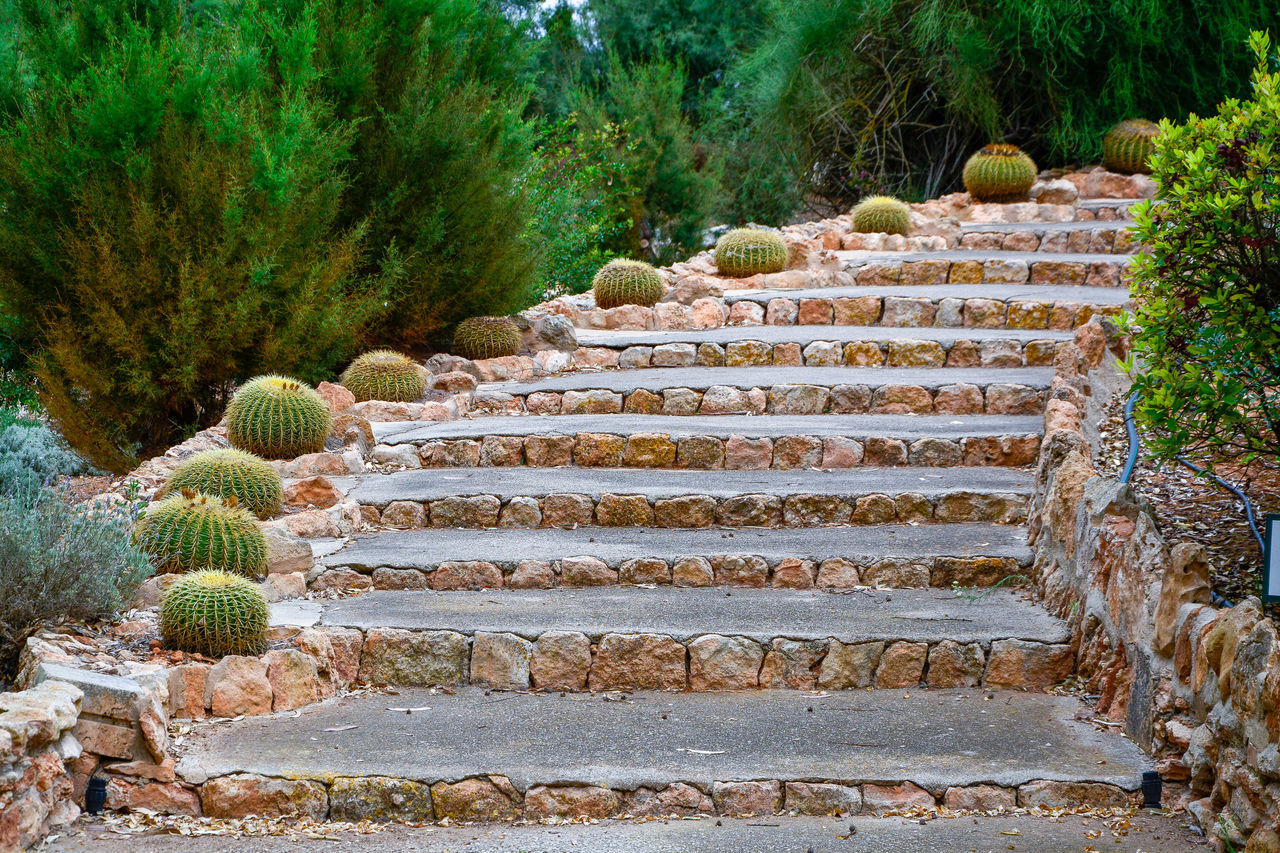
384, 375
278, 418
191, 531
1127, 146
745, 252
624, 282
235, 474
215, 614
486, 337
999, 173
881, 214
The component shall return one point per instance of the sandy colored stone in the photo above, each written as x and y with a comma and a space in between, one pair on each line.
901, 400
649, 450
500, 660
692, 572
380, 799
821, 799
953, 664
792, 664
466, 574
404, 514
644, 570
624, 511
982, 798
586, 571
750, 511
724, 663
248, 795
1072, 795
598, 450
548, 451
747, 453
884, 798
570, 802
478, 800
638, 662
470, 511
901, 665
238, 685
1017, 664
561, 661
797, 451
414, 658
294, 679
532, 574
747, 798
700, 451
849, 665
567, 510
186, 690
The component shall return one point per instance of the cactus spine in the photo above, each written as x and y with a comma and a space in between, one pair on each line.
624, 282
215, 614
745, 252
278, 418
999, 173
486, 337
1127, 146
881, 214
252, 481
189, 532
384, 375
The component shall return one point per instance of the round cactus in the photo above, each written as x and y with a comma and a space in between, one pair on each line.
278, 417
190, 531
881, 214
235, 474
215, 614
1129, 144
999, 173
745, 252
624, 282
486, 337
384, 375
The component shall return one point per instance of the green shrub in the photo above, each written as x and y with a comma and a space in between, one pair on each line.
32, 455
278, 417
252, 481
1127, 146
190, 531
58, 562
745, 252
624, 282
215, 614
486, 337
881, 214
385, 375
999, 173
1207, 288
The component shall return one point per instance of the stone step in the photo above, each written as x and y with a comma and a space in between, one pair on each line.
781, 390
821, 346
965, 266
1093, 237
1119, 207
642, 497
889, 555
472, 755
672, 638
710, 442
994, 306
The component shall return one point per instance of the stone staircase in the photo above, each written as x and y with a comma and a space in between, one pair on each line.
717, 573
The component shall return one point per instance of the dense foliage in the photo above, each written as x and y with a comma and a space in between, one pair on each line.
1208, 290
32, 455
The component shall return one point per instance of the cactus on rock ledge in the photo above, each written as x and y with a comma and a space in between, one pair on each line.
384, 375
229, 474
999, 173
881, 214
745, 252
486, 337
191, 531
278, 418
624, 282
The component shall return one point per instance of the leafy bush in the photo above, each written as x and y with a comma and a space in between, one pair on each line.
32, 455
58, 562
1208, 289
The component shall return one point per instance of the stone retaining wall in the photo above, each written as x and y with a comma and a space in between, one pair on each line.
976, 312
1196, 685
36, 745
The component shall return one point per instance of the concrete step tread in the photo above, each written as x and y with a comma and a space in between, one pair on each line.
1095, 203
944, 335
657, 484
933, 738
913, 615
905, 427
420, 549
859, 256
999, 292
701, 378
1045, 227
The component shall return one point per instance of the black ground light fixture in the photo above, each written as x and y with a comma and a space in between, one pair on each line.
95, 795
1151, 790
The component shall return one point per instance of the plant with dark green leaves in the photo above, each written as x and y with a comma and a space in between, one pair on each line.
191, 531
1207, 285
385, 375
881, 214
278, 418
745, 252
61, 561
1127, 146
624, 282
214, 613
249, 479
999, 173
486, 337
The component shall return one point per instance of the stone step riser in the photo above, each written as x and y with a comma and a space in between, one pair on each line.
995, 398
493, 798
699, 511
914, 312
690, 572
709, 452
989, 271
574, 661
1103, 240
752, 353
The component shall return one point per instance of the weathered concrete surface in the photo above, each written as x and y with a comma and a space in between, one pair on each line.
1148, 834
861, 257
701, 378
933, 738
1001, 292
1045, 227
654, 483
422, 548
944, 335
918, 615
905, 427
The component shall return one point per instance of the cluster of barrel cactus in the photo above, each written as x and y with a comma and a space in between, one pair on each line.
191, 531
278, 418
624, 282
214, 613
486, 337
249, 479
384, 375
881, 214
1127, 146
999, 173
745, 252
